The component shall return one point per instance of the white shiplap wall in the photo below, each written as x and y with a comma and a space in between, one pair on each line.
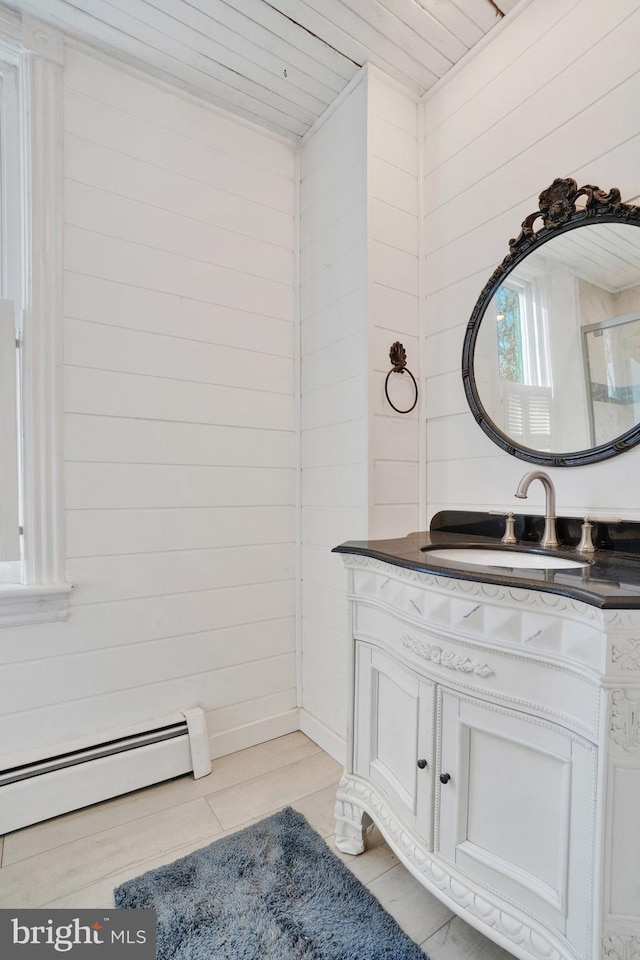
393, 304
334, 401
359, 293
179, 425
496, 134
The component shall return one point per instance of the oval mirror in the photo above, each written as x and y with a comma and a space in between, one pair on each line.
551, 356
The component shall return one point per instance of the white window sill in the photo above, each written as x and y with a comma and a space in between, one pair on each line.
33, 603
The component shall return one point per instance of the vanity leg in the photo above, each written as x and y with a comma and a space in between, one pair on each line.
352, 827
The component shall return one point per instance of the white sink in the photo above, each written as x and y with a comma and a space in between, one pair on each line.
486, 557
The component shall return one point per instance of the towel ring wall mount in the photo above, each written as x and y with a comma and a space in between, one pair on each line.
398, 357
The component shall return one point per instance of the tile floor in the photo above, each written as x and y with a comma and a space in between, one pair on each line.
76, 860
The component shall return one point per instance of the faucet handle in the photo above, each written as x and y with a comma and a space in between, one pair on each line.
509, 527
586, 541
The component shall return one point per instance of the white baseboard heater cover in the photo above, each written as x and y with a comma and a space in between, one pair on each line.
68, 780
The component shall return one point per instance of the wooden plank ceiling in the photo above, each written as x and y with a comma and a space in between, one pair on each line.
279, 63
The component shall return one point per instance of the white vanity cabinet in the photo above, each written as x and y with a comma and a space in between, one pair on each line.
395, 723
495, 741
518, 813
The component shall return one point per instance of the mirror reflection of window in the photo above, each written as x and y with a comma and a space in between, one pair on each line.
509, 330
523, 361
521, 324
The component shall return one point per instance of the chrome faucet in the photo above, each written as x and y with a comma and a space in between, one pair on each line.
549, 537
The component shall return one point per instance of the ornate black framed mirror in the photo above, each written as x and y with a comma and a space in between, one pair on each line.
551, 355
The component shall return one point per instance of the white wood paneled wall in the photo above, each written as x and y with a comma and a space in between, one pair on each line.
334, 400
179, 425
393, 304
496, 134
359, 293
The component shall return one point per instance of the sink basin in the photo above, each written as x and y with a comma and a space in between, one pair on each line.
488, 557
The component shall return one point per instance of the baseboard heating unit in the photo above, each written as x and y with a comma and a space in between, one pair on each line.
75, 776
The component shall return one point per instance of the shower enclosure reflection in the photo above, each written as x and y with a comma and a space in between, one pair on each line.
612, 371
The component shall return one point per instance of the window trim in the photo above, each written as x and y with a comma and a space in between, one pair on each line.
37, 50
10, 539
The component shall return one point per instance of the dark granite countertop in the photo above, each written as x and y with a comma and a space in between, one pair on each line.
609, 580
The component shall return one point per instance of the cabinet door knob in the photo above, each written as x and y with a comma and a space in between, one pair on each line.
445, 777
422, 764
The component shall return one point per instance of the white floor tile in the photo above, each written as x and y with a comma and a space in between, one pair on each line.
376, 859
271, 791
100, 893
458, 941
418, 912
318, 809
57, 873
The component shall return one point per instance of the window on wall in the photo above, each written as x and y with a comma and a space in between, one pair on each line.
11, 290
32, 581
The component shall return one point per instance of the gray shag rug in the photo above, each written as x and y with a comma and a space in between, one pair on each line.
273, 891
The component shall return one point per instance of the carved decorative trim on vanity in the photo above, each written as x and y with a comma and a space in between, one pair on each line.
359, 795
445, 658
625, 653
443, 637
623, 619
583, 728
624, 725
515, 597
624, 945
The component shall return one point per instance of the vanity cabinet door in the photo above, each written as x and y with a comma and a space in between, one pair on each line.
515, 809
394, 722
